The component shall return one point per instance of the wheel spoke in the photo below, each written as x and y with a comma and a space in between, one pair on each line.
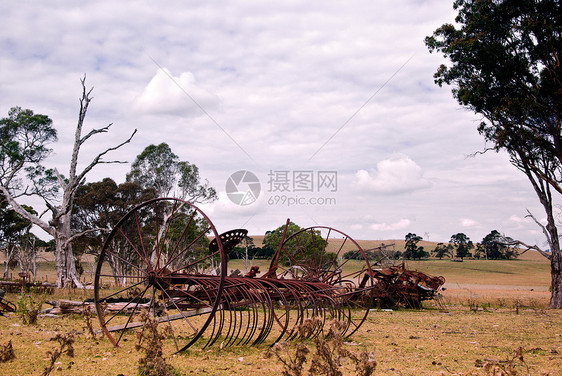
173, 257
132, 314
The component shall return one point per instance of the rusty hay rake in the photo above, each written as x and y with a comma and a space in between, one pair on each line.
166, 257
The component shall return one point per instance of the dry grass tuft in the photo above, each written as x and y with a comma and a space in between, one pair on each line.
330, 352
292, 365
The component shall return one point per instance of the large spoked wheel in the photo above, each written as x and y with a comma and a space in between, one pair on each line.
157, 263
338, 268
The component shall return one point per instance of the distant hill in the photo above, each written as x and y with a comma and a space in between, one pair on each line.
399, 245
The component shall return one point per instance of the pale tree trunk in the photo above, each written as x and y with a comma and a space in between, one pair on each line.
10, 253
541, 179
66, 268
34, 264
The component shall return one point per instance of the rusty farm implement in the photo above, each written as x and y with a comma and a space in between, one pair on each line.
166, 257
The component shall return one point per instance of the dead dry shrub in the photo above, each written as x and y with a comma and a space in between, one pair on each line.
66, 346
536, 306
7, 352
472, 304
87, 315
292, 365
509, 367
150, 343
329, 353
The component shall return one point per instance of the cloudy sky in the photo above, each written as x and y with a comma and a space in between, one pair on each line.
330, 104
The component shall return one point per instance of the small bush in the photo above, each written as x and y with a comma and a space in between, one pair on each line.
327, 359
292, 365
29, 306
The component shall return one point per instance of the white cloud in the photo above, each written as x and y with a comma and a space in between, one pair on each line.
517, 219
166, 94
395, 175
467, 222
401, 224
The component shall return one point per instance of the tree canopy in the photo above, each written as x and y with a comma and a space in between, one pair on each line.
506, 66
463, 245
99, 206
442, 250
412, 250
493, 247
24, 140
297, 248
159, 168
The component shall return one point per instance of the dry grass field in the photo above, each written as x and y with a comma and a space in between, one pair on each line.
490, 309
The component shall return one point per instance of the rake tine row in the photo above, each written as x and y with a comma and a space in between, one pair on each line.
252, 310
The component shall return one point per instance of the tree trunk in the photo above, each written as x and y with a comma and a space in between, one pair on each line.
556, 285
10, 253
66, 267
555, 259
555, 266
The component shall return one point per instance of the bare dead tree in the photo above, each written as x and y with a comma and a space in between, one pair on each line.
60, 206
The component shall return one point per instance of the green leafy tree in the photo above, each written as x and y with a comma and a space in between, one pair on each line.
442, 250
99, 206
297, 250
159, 168
505, 66
24, 140
462, 244
272, 239
245, 249
493, 247
412, 250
